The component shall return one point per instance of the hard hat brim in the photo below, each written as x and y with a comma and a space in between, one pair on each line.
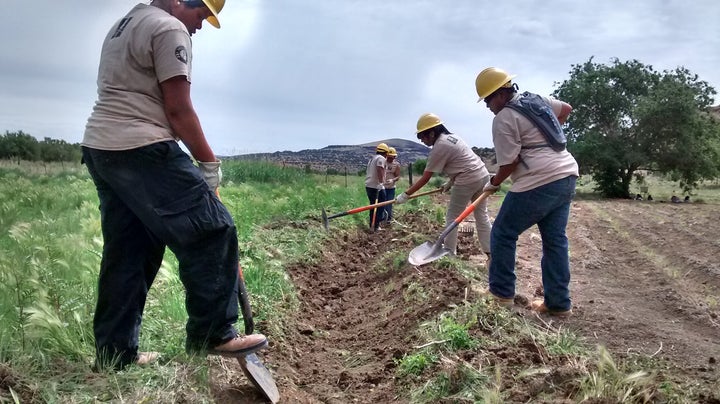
213, 21
214, 9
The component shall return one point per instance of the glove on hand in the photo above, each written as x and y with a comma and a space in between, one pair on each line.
446, 186
402, 198
211, 173
391, 182
490, 187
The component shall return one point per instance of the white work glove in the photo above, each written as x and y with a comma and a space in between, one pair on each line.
490, 187
446, 186
402, 198
211, 172
380, 187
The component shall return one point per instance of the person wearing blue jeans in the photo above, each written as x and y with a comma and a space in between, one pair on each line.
152, 195
548, 207
374, 188
543, 186
392, 176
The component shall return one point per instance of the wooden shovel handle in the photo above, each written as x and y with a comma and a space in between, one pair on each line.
380, 204
463, 215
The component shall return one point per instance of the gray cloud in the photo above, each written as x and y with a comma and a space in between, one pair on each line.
290, 75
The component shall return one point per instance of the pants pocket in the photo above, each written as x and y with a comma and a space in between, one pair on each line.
193, 218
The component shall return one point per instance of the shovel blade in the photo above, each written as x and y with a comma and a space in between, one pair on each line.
260, 376
426, 253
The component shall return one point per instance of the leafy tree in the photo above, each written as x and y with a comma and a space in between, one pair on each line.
419, 165
680, 139
51, 149
19, 146
59, 150
626, 117
22, 146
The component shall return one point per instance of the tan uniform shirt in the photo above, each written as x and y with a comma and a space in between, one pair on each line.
451, 156
371, 177
511, 130
392, 170
143, 49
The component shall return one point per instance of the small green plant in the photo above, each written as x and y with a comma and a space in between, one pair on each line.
456, 334
415, 364
440, 214
391, 261
399, 260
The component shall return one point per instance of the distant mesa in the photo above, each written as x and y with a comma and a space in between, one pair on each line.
352, 158
340, 157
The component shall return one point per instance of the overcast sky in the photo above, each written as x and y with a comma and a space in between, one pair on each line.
304, 74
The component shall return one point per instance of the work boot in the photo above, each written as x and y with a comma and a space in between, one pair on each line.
538, 306
240, 345
501, 301
117, 363
147, 358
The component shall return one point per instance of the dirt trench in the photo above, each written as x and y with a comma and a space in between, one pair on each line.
645, 280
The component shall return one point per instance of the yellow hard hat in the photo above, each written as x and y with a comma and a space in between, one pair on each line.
491, 79
427, 121
215, 6
382, 148
392, 152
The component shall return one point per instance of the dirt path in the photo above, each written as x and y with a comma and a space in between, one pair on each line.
645, 280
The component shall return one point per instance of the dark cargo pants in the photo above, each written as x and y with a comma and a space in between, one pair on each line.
152, 197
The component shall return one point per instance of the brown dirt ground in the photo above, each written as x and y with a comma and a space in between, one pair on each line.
645, 280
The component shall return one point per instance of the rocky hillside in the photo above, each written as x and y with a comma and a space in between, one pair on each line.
352, 158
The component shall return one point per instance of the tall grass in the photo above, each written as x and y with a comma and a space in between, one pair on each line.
48, 263
51, 248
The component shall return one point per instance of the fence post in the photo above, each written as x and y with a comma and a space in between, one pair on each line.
346, 179
410, 174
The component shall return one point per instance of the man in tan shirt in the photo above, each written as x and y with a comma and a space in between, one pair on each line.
151, 194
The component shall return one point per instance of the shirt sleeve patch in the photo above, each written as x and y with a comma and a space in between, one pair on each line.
181, 54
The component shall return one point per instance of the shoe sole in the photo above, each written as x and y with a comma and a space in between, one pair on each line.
240, 352
543, 310
561, 314
501, 301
